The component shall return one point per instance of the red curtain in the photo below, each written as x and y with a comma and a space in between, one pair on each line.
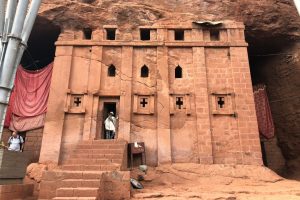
263, 112
9, 110
28, 102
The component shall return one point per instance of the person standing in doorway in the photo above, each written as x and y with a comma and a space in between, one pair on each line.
15, 142
110, 126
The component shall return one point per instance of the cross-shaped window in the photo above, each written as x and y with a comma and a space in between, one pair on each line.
144, 102
77, 101
221, 102
179, 102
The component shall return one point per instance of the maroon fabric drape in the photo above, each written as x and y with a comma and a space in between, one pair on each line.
30, 96
9, 110
263, 112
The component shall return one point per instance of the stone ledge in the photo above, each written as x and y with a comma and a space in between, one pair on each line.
152, 43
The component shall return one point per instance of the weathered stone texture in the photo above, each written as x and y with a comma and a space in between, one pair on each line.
167, 93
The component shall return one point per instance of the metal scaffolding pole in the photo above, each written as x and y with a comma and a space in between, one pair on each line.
28, 25
2, 21
17, 41
8, 20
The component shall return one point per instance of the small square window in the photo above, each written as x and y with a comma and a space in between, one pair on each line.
77, 101
179, 34
144, 102
87, 33
179, 102
111, 34
214, 35
145, 34
220, 102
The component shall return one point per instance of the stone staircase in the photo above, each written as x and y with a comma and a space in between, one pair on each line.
85, 174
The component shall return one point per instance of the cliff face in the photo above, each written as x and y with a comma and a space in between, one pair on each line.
272, 27
263, 18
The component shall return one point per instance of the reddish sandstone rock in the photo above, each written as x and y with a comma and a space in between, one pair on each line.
35, 170
212, 182
274, 18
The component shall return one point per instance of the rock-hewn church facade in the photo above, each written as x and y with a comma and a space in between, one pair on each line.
183, 89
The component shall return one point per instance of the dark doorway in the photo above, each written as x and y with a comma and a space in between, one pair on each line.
41, 44
263, 152
107, 108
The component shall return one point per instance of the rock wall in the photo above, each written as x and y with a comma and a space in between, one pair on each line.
274, 18
281, 72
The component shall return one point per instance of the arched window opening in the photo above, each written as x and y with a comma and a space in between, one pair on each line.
144, 71
111, 71
178, 72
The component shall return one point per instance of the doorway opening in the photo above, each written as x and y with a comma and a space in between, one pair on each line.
107, 108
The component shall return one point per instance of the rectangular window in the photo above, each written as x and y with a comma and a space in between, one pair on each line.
87, 33
214, 35
145, 34
111, 34
179, 34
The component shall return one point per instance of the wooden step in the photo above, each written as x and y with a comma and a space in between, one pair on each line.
77, 192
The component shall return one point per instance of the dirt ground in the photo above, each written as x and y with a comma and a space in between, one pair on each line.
214, 182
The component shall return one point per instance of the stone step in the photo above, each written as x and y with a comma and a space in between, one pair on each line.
96, 156
100, 146
99, 151
77, 192
69, 174
103, 142
79, 167
92, 161
75, 198
77, 183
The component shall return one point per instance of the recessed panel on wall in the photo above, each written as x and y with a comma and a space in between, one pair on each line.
111, 71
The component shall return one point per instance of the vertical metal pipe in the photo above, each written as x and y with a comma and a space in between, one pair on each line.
9, 15
2, 15
7, 71
8, 20
30, 19
27, 28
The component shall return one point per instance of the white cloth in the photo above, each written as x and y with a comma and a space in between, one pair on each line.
110, 123
14, 143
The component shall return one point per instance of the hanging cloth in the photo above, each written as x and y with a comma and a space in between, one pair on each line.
30, 96
263, 112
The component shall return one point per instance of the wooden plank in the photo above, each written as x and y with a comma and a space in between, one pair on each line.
13, 164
